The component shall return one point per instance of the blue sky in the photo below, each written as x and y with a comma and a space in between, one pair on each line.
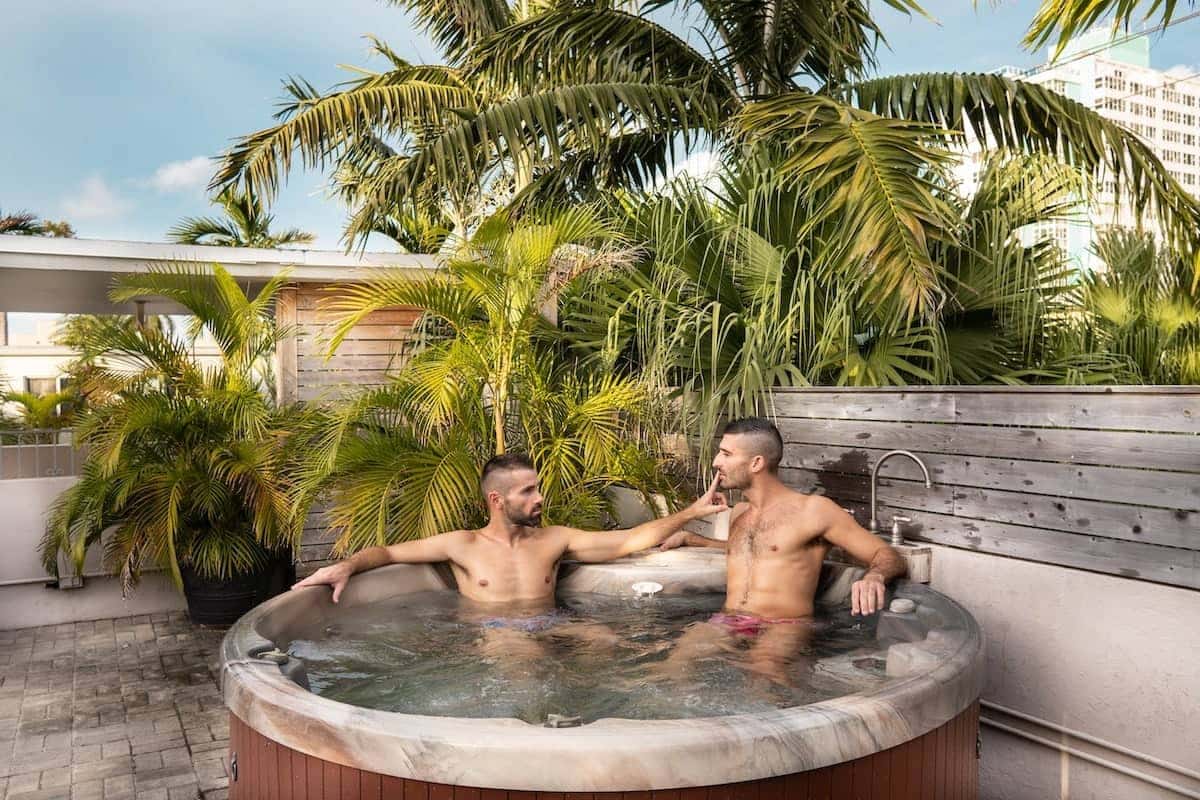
111, 107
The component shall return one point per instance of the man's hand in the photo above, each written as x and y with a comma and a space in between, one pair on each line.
335, 575
711, 502
866, 595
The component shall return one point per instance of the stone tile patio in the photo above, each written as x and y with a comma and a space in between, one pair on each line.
116, 708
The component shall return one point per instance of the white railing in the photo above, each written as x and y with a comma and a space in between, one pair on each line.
38, 453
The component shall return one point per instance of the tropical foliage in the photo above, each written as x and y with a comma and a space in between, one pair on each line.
42, 411
1143, 307
246, 224
744, 289
185, 463
490, 375
565, 100
24, 223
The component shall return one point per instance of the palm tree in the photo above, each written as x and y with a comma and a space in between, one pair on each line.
23, 223
185, 462
1068, 18
744, 289
403, 460
245, 225
40, 411
565, 100
1143, 307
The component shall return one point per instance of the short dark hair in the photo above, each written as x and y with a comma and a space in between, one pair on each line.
767, 440
503, 463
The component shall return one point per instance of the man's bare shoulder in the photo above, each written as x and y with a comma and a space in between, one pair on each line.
796, 501
554, 535
819, 505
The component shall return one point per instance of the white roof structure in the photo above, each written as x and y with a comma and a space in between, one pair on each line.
73, 276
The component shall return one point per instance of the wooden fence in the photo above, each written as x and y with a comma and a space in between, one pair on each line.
376, 345
1104, 479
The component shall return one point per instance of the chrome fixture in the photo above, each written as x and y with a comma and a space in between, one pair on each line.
874, 526
897, 531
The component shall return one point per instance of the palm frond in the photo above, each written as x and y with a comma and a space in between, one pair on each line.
1019, 116
884, 175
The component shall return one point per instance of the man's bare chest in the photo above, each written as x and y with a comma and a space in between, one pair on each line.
526, 565
772, 535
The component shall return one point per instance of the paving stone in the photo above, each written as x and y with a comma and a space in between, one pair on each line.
26, 782
166, 777
52, 778
119, 784
86, 753
88, 790
114, 749
121, 765
57, 793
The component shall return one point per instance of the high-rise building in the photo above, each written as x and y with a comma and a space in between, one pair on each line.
1114, 77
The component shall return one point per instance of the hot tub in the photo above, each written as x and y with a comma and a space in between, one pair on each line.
914, 734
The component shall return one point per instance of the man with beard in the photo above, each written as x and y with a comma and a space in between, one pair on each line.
778, 539
513, 559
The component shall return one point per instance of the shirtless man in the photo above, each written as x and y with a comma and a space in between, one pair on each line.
778, 539
513, 559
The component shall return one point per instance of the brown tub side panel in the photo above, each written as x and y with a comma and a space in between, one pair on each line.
941, 765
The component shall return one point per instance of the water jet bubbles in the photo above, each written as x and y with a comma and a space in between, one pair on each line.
646, 588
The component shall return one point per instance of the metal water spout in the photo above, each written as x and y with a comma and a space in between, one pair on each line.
874, 524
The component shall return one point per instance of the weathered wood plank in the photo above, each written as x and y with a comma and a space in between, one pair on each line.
357, 347
1162, 413
399, 316
1173, 490
904, 494
362, 331
1150, 562
343, 363
1167, 527
1149, 450
331, 393
286, 350
352, 376
1150, 410
1171, 528
851, 405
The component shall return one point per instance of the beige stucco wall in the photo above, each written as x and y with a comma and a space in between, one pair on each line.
1115, 658
24, 599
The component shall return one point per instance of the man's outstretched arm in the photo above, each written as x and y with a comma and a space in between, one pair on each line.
421, 551
882, 560
607, 545
689, 539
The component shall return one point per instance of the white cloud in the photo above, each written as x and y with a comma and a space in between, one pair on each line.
94, 200
178, 176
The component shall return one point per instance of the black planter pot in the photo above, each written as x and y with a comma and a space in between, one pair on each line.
222, 602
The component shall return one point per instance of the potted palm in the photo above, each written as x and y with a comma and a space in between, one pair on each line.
185, 465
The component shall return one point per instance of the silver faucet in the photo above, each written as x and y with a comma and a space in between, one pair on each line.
874, 526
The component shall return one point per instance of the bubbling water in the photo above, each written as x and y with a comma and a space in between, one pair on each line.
593, 656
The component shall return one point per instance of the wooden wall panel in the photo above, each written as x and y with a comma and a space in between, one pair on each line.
1103, 479
379, 344
373, 349
940, 764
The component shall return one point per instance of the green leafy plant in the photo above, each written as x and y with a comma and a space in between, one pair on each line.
185, 462
246, 224
749, 285
1143, 307
562, 101
491, 375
